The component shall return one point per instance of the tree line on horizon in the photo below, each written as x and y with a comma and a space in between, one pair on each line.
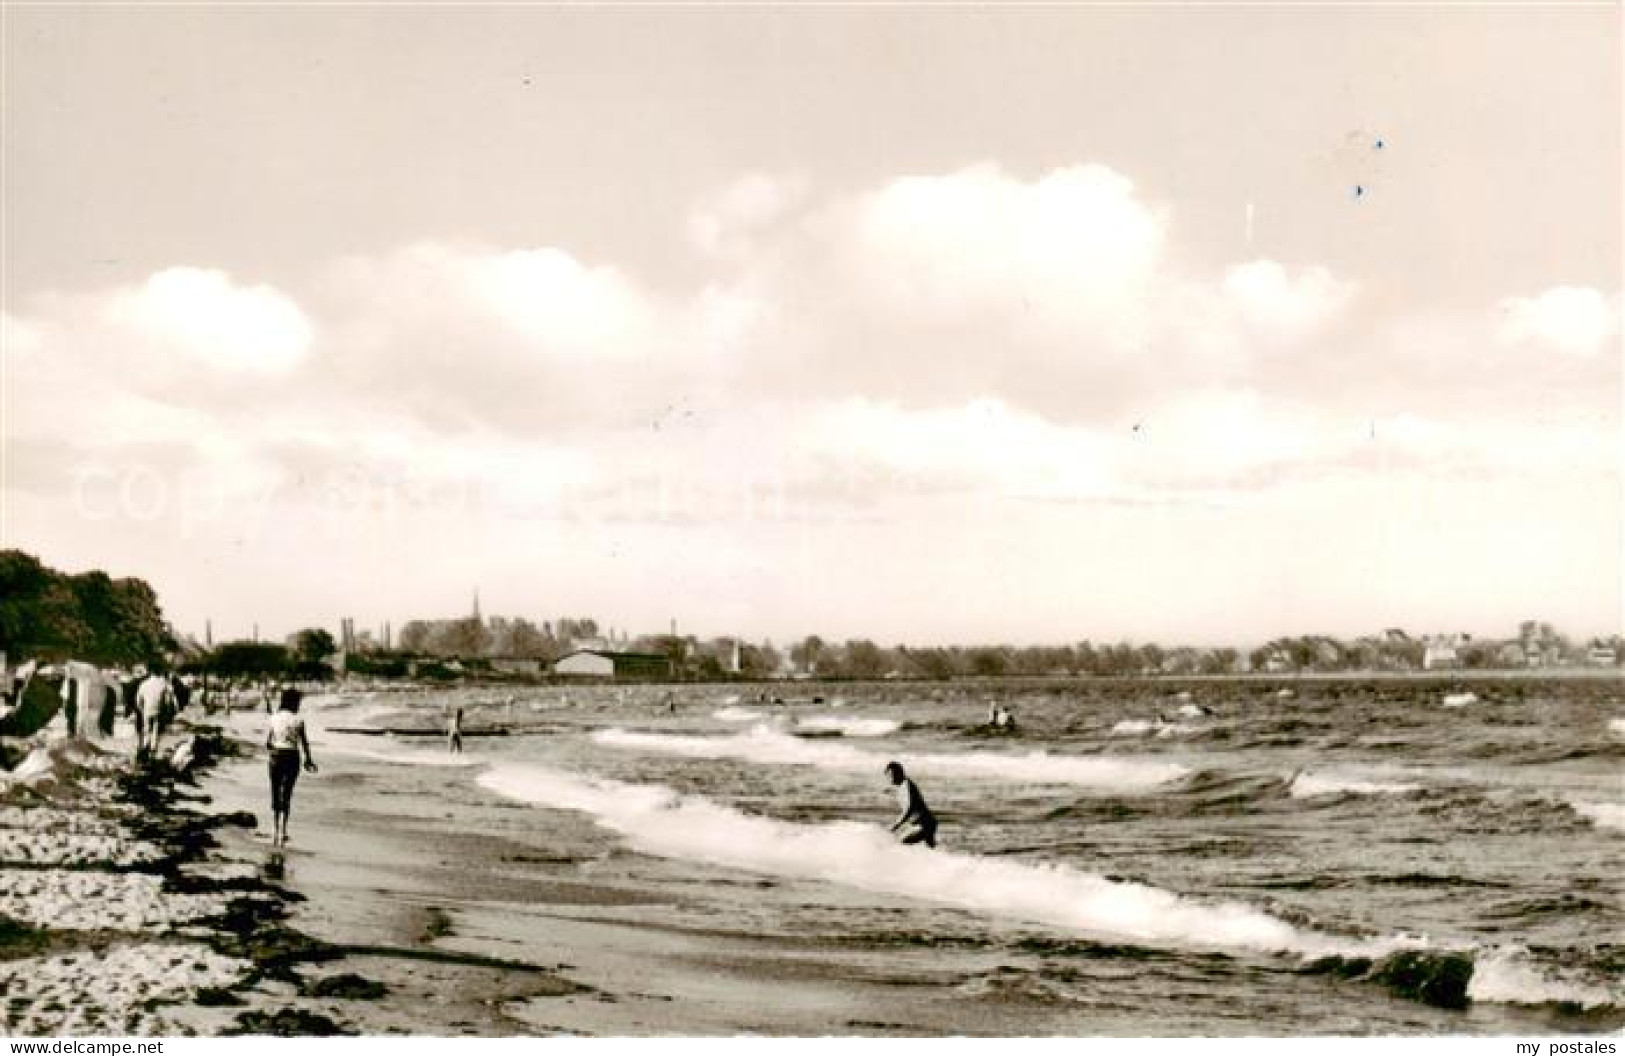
472, 639
53, 616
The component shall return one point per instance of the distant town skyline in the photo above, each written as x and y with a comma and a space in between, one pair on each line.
917, 324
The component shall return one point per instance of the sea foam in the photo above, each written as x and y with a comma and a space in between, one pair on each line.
1602, 815
761, 744
658, 821
848, 727
1307, 785
360, 746
1506, 975
733, 714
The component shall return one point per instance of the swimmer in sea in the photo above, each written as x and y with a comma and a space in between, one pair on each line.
921, 824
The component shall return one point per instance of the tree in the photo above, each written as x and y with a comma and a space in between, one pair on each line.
312, 645
864, 659
414, 637
808, 654
250, 659
52, 616
988, 661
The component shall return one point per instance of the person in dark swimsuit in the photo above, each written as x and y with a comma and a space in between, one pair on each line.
916, 823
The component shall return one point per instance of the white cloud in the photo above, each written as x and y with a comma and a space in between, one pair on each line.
967, 333
983, 446
1273, 301
1070, 253
729, 223
1573, 320
537, 304
203, 315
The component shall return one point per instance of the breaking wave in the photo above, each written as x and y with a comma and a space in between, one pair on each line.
849, 727
1506, 975
1306, 785
1602, 815
761, 744
658, 821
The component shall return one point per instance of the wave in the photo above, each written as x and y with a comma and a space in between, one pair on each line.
1616, 727
1150, 727
733, 714
849, 727
656, 820
1602, 815
761, 744
1306, 785
1457, 700
1507, 976
361, 746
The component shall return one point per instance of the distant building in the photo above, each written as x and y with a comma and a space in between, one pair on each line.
1441, 651
601, 663
516, 665
1511, 654
1601, 654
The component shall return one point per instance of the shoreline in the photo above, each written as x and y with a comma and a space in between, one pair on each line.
415, 901
509, 928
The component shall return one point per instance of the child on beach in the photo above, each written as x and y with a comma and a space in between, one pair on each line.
454, 733
922, 824
286, 739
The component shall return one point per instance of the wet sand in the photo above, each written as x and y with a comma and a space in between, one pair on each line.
478, 919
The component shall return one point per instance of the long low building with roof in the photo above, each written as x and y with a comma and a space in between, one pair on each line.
605, 663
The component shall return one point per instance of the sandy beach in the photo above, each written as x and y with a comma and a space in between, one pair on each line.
135, 902
479, 922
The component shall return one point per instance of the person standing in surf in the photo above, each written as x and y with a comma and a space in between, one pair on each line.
921, 823
454, 733
286, 740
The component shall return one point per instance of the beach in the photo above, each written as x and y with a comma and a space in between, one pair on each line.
594, 865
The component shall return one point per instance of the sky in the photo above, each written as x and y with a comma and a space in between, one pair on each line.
922, 324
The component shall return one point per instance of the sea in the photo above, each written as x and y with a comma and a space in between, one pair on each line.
1139, 857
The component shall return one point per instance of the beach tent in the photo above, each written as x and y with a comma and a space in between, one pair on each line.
96, 697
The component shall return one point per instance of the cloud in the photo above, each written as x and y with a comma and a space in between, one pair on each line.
539, 305
1069, 254
202, 315
1571, 320
984, 446
968, 333
730, 223
1271, 300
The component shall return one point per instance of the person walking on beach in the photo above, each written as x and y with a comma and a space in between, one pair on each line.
154, 699
921, 823
286, 740
454, 733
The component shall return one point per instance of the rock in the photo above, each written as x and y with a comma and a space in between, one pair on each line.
184, 755
349, 985
287, 1023
1438, 979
